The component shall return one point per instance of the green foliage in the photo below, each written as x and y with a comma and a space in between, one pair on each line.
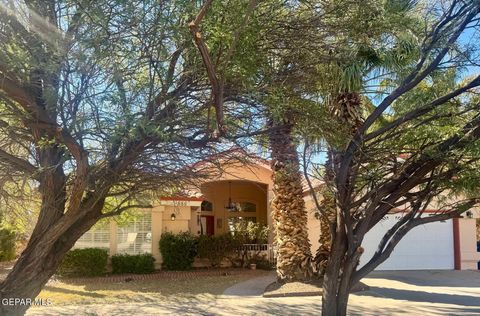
87, 262
216, 248
239, 61
138, 264
248, 232
7, 244
178, 250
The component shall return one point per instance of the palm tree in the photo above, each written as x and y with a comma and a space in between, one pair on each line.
288, 207
346, 109
346, 104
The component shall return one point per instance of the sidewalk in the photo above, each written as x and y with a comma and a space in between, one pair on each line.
253, 287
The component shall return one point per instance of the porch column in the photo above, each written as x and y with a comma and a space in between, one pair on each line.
157, 224
468, 255
270, 195
113, 237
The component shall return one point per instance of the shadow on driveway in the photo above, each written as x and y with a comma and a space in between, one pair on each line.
422, 296
409, 311
446, 278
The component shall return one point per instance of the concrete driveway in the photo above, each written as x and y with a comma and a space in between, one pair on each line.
392, 293
419, 293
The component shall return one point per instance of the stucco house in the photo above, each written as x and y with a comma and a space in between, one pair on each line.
244, 190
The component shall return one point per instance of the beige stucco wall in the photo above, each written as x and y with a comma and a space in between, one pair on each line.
182, 219
468, 244
256, 173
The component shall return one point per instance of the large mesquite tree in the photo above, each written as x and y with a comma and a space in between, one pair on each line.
100, 101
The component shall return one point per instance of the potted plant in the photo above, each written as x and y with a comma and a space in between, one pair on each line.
252, 263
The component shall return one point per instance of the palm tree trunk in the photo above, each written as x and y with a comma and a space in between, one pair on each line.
330, 257
288, 207
346, 110
327, 219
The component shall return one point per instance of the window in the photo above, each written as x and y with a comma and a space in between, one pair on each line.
244, 207
135, 237
206, 206
97, 237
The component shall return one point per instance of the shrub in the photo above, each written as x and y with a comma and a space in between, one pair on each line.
215, 248
138, 264
84, 262
178, 250
7, 244
249, 232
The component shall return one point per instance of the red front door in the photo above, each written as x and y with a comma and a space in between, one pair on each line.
209, 230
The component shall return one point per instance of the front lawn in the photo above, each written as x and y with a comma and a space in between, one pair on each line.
90, 291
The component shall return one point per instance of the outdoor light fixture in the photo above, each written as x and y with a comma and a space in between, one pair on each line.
173, 216
469, 214
231, 207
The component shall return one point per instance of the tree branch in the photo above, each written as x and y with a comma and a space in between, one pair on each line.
409, 83
120, 210
18, 163
423, 110
217, 84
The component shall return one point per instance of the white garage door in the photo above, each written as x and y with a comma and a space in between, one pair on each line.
425, 247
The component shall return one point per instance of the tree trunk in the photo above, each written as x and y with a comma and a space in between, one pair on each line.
327, 219
39, 261
288, 208
341, 261
333, 270
346, 111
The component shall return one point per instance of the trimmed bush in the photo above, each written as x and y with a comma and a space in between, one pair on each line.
84, 262
178, 250
215, 248
138, 264
7, 244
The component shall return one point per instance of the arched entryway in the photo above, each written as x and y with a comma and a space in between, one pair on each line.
227, 201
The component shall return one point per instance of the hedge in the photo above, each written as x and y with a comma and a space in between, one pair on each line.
84, 262
215, 248
178, 250
138, 264
7, 244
